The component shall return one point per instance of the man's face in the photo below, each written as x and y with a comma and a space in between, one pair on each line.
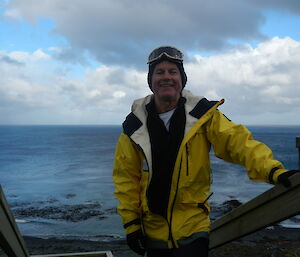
166, 82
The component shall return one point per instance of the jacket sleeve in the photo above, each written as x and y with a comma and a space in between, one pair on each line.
127, 176
234, 143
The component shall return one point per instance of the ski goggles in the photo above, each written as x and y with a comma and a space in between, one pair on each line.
169, 51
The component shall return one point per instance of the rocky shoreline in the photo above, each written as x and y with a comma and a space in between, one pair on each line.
272, 242
54, 210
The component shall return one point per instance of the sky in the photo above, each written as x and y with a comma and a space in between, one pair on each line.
84, 62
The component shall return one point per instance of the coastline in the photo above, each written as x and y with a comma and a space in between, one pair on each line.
275, 241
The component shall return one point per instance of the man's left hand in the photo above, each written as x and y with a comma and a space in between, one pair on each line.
284, 177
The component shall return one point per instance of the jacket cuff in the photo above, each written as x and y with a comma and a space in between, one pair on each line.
132, 226
274, 173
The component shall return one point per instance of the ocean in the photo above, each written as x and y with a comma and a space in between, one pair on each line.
58, 179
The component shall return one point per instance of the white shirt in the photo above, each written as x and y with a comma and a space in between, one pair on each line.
166, 117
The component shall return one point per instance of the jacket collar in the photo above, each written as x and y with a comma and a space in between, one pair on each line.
195, 108
198, 110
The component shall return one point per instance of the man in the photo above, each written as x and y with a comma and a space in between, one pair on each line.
162, 167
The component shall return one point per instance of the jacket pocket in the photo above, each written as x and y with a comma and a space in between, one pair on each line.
194, 207
197, 203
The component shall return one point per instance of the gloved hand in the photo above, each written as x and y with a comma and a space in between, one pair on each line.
137, 242
284, 177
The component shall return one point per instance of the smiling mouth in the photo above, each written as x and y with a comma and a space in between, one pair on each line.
166, 85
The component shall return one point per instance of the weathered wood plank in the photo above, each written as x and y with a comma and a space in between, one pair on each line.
84, 254
11, 240
275, 205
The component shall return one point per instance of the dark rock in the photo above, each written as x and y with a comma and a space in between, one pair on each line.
68, 196
72, 213
219, 210
231, 204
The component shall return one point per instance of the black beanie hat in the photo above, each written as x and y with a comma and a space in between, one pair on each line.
166, 58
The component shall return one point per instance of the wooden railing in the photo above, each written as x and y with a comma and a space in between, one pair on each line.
277, 204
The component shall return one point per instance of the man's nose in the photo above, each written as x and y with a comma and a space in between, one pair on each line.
167, 76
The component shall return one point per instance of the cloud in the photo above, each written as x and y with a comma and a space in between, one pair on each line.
122, 32
258, 80
36, 93
292, 6
8, 60
260, 85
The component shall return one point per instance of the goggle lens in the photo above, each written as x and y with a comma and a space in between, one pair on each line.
170, 52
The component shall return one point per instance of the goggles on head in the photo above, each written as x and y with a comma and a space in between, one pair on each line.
168, 51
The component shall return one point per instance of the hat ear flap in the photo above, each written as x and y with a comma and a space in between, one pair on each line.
184, 78
150, 73
182, 73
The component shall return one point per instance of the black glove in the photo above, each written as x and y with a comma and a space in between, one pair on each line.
284, 177
136, 242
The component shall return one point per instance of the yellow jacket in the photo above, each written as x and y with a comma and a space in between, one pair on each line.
187, 209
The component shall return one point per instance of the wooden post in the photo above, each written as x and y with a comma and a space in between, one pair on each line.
274, 205
298, 146
11, 240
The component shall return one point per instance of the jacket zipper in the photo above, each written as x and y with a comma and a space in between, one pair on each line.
187, 159
172, 208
